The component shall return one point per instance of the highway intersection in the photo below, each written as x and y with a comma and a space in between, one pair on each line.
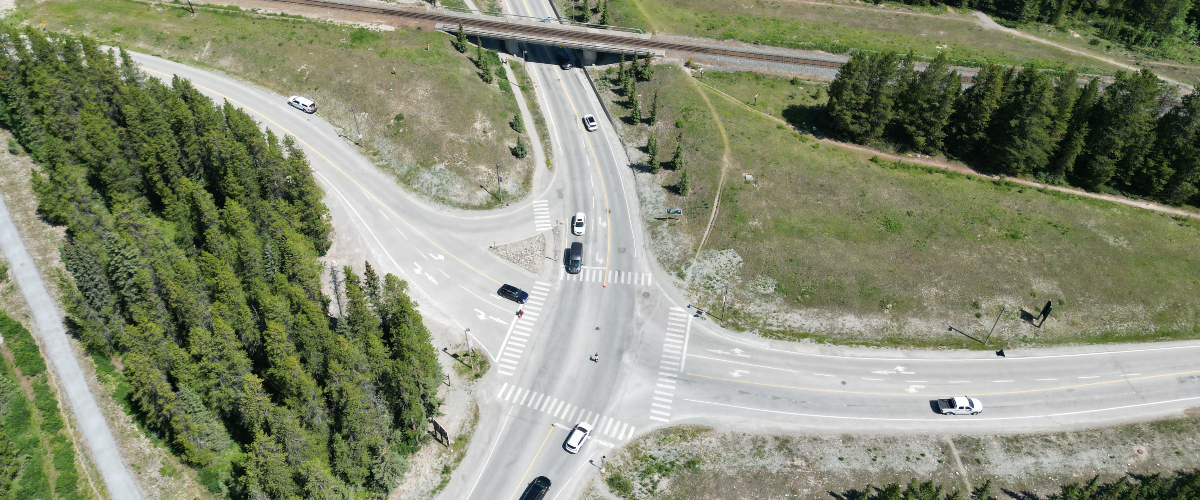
659, 364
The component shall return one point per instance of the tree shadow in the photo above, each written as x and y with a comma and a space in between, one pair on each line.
1020, 495
851, 494
803, 117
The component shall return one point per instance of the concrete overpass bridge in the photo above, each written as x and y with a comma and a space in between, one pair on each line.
588, 39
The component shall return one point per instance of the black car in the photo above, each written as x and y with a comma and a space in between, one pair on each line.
574, 257
513, 293
537, 489
564, 60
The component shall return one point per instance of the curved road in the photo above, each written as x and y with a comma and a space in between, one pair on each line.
659, 364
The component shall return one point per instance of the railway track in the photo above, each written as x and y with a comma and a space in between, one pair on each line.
566, 34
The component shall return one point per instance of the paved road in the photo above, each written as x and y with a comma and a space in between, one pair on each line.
48, 327
659, 363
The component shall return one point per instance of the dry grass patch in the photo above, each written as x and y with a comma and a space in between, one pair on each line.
424, 113
692, 462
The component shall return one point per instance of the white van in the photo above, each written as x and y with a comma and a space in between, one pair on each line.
303, 104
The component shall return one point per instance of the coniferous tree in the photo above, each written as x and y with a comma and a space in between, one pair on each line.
652, 153
685, 183
1177, 153
1019, 137
1121, 131
604, 18
924, 103
1076, 132
973, 114
861, 97
460, 40
677, 157
635, 107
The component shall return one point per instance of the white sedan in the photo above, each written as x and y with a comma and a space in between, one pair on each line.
577, 224
577, 436
589, 122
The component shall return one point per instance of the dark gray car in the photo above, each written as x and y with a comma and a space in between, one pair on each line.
536, 489
574, 258
513, 293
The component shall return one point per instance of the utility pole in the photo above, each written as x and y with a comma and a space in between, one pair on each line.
499, 190
355, 115
724, 298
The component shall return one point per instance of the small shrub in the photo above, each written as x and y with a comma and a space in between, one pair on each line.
521, 150
517, 124
619, 485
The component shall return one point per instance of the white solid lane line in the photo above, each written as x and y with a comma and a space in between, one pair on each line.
939, 417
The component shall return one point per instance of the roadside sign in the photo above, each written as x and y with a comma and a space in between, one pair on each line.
674, 211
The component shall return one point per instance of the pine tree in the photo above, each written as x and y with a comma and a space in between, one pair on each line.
924, 103
604, 17
460, 40
685, 183
677, 158
646, 71
861, 97
1121, 132
652, 153
1076, 132
973, 113
1177, 153
1019, 138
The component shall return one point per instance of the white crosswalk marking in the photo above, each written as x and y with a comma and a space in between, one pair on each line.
597, 275
570, 414
541, 215
677, 323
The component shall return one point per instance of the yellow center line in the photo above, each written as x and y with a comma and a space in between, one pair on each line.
595, 159
339, 169
531, 462
840, 391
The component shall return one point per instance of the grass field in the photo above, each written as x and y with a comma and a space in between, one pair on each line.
839, 26
826, 244
452, 127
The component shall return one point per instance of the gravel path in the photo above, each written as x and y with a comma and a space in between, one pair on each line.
49, 330
528, 254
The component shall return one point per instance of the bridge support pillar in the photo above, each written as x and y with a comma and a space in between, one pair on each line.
512, 47
589, 57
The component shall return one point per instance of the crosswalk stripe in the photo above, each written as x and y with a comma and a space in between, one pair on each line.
665, 400
557, 408
502, 389
659, 405
663, 413
665, 386
621, 435
652, 417
502, 372
668, 394
549, 401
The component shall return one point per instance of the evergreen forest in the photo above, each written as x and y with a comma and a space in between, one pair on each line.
192, 238
1158, 25
1124, 139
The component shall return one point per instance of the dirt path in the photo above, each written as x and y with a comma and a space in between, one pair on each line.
724, 163
988, 24
963, 169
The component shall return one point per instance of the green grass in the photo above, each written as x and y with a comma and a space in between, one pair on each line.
829, 239
453, 123
31, 427
841, 26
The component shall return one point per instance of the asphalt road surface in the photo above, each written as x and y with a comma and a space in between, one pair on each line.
659, 363
48, 328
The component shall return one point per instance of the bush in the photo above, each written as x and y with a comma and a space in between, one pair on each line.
521, 150
517, 124
619, 485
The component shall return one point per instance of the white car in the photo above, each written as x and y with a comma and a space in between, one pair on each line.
959, 405
577, 436
302, 104
577, 224
589, 122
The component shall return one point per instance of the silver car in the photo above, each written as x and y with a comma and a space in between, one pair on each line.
589, 122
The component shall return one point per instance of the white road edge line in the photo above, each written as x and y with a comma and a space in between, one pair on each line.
977, 419
489, 457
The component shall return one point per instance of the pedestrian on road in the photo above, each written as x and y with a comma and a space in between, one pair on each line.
595, 358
